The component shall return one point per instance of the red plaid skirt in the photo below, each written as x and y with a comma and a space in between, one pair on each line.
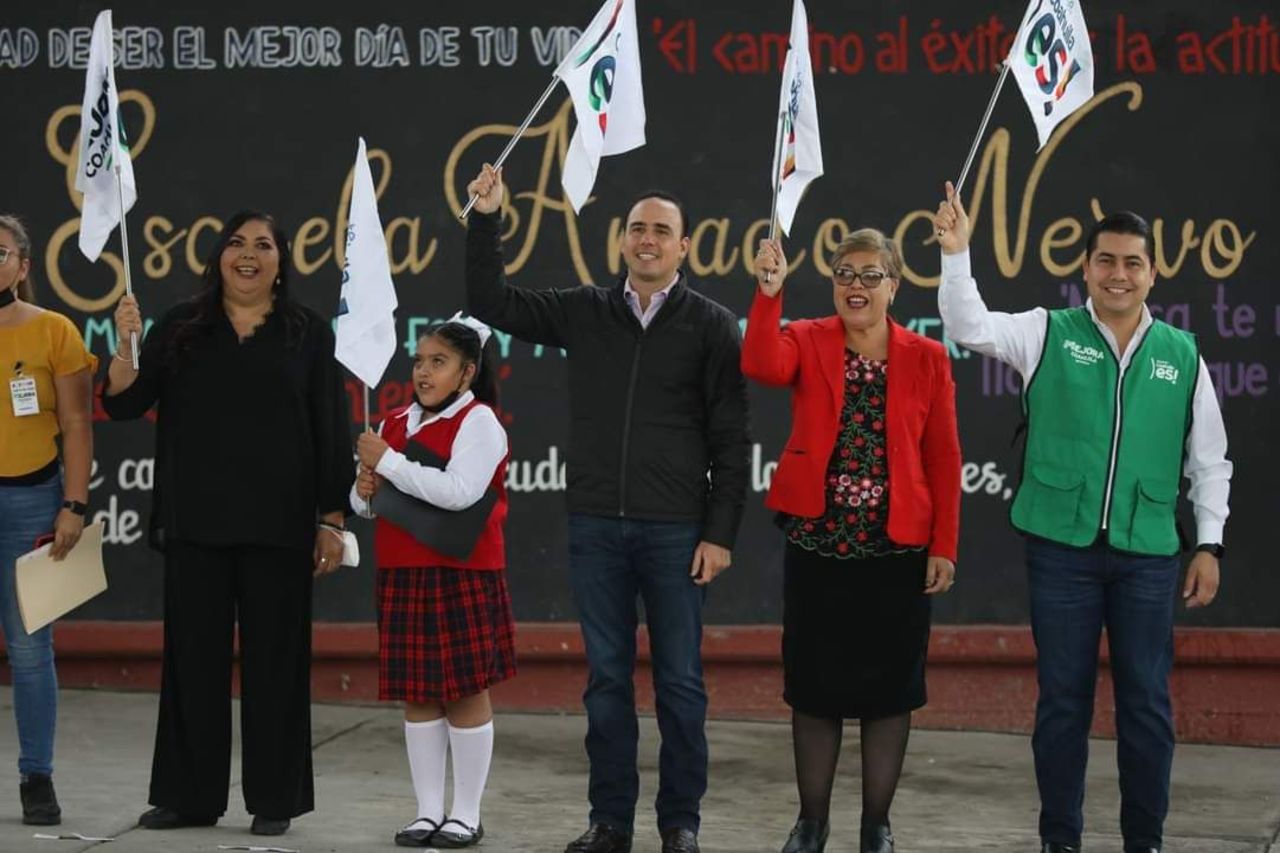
443, 634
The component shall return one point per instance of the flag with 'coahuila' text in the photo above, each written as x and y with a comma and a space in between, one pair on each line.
103, 150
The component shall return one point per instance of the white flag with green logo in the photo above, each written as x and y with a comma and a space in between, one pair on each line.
103, 149
602, 74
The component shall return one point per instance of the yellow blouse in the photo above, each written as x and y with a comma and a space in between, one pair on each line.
45, 346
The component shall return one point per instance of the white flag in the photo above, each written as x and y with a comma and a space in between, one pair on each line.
366, 333
103, 148
1052, 61
602, 73
800, 160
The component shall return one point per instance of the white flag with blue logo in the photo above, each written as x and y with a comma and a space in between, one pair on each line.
602, 74
800, 160
1052, 61
366, 332
103, 149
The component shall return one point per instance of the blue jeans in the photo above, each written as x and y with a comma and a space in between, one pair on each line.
26, 513
1074, 593
611, 561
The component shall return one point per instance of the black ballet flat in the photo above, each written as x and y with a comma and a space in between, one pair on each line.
421, 836
453, 839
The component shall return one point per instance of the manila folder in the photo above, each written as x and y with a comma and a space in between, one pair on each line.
48, 589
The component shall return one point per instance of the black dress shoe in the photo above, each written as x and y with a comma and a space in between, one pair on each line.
876, 839
39, 802
162, 817
600, 838
1055, 847
1131, 849
808, 836
454, 835
269, 825
679, 840
418, 833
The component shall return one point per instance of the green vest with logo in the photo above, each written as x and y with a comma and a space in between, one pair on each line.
1104, 452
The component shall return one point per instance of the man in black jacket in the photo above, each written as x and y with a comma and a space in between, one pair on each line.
657, 471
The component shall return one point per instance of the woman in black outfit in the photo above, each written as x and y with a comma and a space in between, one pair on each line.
253, 466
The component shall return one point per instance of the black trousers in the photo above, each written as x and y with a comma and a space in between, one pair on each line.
206, 591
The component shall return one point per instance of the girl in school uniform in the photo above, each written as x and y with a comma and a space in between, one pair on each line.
445, 631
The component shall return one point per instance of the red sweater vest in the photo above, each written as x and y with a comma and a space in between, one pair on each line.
396, 549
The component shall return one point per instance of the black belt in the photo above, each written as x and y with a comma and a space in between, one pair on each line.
35, 478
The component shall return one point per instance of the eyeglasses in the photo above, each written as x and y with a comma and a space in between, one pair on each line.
846, 276
5, 252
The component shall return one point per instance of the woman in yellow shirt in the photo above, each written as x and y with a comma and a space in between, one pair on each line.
48, 375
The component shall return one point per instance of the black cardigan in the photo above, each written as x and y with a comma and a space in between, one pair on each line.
658, 416
252, 439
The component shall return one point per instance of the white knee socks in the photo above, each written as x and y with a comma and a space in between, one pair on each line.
472, 752
428, 744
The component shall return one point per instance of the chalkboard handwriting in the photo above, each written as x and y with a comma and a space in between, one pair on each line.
545, 475
1222, 243
68, 157
551, 45
904, 45
540, 201
121, 526
1239, 48
985, 478
719, 246
403, 233
273, 46
316, 243
134, 47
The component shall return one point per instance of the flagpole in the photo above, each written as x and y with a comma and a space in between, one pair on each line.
777, 180
982, 128
502, 158
366, 407
124, 251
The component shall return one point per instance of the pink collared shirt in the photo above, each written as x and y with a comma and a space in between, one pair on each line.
655, 301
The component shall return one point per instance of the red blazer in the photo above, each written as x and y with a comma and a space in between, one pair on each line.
921, 439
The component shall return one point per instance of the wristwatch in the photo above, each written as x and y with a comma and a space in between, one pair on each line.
76, 507
1212, 548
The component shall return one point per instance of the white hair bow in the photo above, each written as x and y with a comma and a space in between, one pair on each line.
475, 325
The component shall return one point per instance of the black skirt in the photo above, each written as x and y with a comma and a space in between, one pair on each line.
855, 634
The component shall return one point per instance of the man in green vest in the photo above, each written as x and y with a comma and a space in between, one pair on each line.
1118, 408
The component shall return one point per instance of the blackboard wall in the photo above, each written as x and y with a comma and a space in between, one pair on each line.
228, 110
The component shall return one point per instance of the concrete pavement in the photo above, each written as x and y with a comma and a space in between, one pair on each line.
959, 792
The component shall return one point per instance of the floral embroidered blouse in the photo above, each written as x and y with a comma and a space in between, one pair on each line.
857, 484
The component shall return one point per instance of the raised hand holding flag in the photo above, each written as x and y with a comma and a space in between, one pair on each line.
1052, 62
602, 73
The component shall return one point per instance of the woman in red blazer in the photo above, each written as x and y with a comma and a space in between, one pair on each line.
868, 495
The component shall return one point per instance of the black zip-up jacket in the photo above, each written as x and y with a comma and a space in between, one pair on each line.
658, 416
